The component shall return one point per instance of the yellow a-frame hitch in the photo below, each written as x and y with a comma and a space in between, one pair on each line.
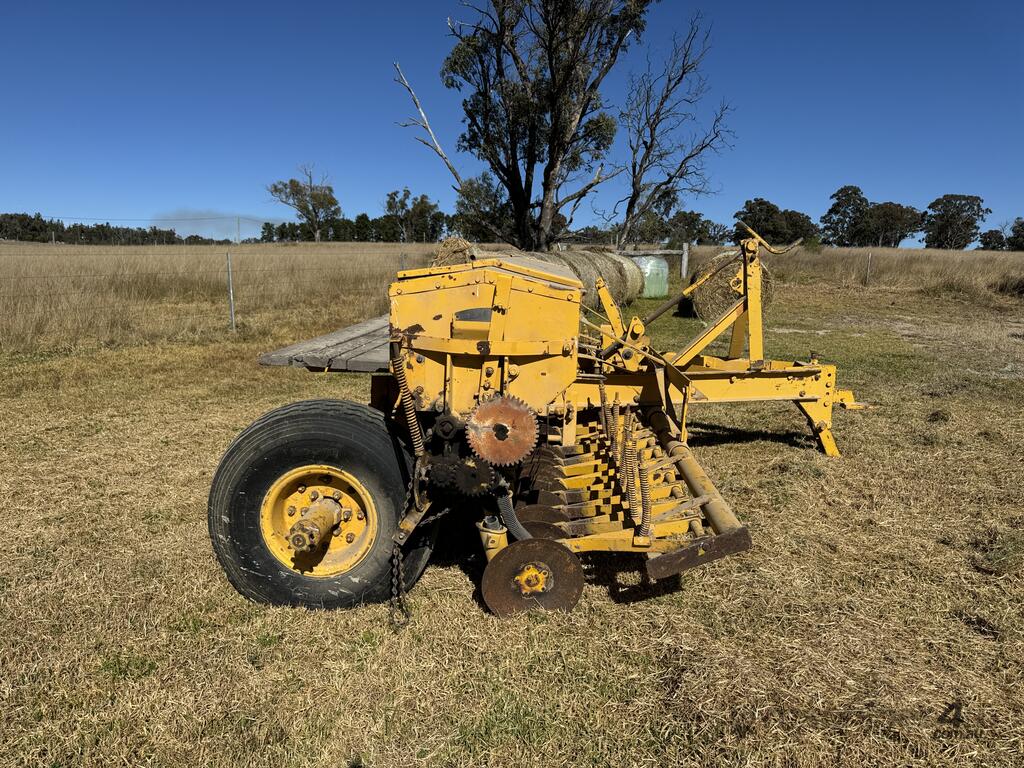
744, 375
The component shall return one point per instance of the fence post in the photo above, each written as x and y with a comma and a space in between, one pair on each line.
684, 263
867, 272
231, 294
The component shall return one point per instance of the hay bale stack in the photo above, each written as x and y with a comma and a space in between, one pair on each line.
454, 250
717, 295
624, 278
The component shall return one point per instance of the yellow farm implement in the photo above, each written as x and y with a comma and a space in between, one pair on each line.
493, 394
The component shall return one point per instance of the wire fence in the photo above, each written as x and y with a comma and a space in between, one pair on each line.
52, 299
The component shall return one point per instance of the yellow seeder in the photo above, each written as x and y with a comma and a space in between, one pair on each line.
556, 433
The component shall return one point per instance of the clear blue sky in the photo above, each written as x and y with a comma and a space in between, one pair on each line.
140, 110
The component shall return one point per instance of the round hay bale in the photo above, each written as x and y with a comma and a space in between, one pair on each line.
717, 295
453, 250
623, 277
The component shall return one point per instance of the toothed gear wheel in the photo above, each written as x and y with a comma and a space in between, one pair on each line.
502, 430
474, 477
447, 426
443, 472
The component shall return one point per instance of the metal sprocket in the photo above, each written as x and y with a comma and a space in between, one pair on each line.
502, 430
474, 477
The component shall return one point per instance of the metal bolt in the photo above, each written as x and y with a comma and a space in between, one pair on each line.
350, 537
291, 511
336, 495
314, 495
419, 358
360, 515
302, 489
346, 515
489, 370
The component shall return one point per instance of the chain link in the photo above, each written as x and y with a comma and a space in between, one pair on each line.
398, 609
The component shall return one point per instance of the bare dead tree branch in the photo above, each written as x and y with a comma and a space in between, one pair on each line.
424, 124
599, 177
667, 146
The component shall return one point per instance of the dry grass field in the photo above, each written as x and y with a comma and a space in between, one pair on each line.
877, 621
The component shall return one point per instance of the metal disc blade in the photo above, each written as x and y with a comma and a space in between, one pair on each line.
541, 514
541, 530
504, 596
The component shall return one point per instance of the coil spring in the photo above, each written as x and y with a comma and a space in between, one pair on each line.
605, 413
413, 424
645, 496
629, 455
614, 428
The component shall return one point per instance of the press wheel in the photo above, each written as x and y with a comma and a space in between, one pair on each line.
532, 574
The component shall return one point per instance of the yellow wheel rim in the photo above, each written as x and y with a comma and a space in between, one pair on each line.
345, 545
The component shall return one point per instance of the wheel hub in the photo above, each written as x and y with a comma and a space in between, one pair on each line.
318, 520
534, 578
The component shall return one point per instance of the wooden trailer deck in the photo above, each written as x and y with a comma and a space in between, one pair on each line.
362, 348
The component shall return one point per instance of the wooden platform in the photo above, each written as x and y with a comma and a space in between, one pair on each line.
362, 347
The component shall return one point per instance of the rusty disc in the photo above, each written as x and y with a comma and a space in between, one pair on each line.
502, 430
503, 586
540, 530
539, 513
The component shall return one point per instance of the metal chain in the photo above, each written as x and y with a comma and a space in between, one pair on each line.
399, 613
398, 610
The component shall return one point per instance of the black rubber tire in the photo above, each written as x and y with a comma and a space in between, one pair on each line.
347, 435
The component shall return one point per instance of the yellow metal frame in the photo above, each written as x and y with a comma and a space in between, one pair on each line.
745, 375
466, 332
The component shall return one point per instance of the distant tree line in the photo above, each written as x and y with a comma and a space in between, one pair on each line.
1008, 237
35, 229
406, 219
949, 222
